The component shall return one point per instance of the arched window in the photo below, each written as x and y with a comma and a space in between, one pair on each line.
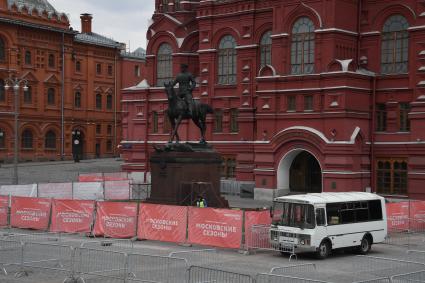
78, 66
50, 140
98, 101
266, 49
164, 67
302, 48
109, 102
51, 60
28, 58
227, 61
77, 100
51, 96
2, 138
28, 95
2, 91
2, 50
27, 139
395, 45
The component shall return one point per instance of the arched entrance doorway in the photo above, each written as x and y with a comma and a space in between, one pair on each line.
305, 175
299, 171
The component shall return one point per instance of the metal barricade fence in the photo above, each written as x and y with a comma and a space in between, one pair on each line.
294, 269
198, 274
156, 268
273, 278
413, 277
203, 257
10, 254
110, 244
377, 280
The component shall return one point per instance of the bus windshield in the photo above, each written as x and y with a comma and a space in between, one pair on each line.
293, 215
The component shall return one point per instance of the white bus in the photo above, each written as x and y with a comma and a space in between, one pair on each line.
322, 222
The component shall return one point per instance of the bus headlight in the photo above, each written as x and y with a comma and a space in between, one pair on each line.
302, 242
304, 239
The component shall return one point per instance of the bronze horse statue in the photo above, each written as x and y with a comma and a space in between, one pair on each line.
177, 112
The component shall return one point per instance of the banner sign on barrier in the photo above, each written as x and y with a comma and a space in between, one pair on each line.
88, 191
72, 216
91, 177
4, 205
116, 219
55, 190
32, 213
162, 223
398, 216
215, 227
19, 190
255, 218
117, 176
117, 190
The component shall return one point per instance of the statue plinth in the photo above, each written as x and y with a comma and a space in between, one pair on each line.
183, 172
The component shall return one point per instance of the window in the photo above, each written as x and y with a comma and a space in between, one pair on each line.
227, 61
294, 215
109, 102
110, 70
164, 67
302, 48
218, 121
228, 167
234, 126
291, 101
266, 49
27, 139
78, 66
77, 100
109, 130
51, 96
2, 138
98, 101
320, 217
28, 59
51, 61
108, 145
2, 91
2, 50
391, 176
404, 117
177, 4
166, 127
381, 117
395, 45
353, 212
98, 68
98, 129
137, 71
50, 140
154, 122
28, 95
164, 6
308, 103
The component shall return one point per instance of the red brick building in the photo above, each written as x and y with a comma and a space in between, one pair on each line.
309, 96
74, 75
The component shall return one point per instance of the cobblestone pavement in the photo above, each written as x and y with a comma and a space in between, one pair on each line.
60, 171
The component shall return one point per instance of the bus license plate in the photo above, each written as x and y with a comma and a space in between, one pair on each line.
288, 240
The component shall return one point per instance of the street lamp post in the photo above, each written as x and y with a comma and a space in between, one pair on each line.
17, 84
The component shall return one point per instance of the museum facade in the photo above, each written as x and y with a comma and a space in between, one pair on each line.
309, 96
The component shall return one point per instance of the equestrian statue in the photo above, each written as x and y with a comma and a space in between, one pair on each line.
181, 106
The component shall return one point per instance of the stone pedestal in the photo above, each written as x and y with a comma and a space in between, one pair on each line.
183, 172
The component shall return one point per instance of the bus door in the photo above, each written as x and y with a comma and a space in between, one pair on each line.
321, 230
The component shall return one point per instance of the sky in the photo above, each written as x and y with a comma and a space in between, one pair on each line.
123, 20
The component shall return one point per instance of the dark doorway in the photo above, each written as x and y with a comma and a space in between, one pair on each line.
97, 150
305, 175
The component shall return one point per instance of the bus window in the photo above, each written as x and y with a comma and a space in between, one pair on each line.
375, 210
320, 217
333, 213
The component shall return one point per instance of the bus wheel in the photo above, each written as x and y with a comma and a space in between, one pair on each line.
365, 245
324, 250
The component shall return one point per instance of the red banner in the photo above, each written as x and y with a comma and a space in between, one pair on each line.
32, 213
72, 216
116, 219
92, 177
162, 223
255, 218
117, 190
215, 227
4, 204
117, 176
398, 216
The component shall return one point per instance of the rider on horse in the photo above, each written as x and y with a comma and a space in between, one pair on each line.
187, 84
